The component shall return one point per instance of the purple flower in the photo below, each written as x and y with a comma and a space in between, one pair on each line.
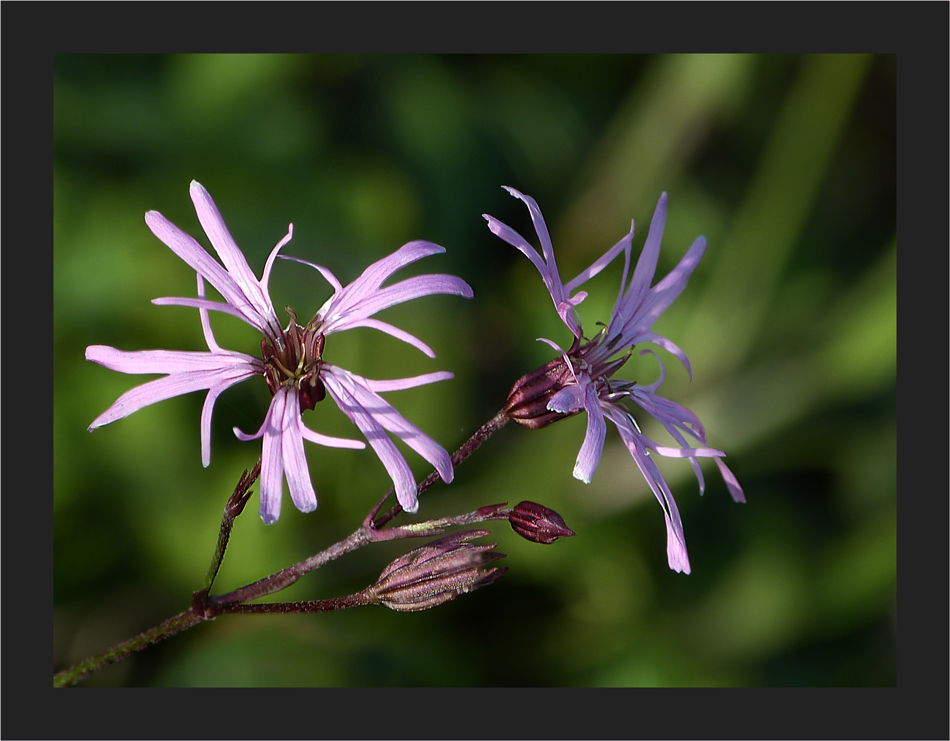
291, 360
583, 380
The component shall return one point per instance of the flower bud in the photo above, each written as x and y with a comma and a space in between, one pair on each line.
242, 492
528, 399
537, 523
437, 572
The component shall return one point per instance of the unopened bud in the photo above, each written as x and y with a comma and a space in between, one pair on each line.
437, 572
537, 523
242, 492
528, 399
237, 501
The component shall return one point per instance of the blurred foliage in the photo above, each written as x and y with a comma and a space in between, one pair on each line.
785, 163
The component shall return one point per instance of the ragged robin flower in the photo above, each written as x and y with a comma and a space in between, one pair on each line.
582, 378
291, 359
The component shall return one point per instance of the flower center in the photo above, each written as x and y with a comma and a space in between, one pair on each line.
601, 371
294, 359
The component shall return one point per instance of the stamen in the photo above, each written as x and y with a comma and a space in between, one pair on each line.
276, 361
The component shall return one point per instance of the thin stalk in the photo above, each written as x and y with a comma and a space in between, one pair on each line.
205, 607
170, 627
192, 616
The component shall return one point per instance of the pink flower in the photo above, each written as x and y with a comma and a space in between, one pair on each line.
583, 379
291, 360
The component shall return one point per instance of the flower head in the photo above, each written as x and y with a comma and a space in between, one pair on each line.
291, 359
582, 378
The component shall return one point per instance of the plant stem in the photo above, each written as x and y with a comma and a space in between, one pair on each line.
190, 617
205, 607
284, 578
170, 627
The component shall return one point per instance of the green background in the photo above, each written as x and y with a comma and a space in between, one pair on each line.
785, 163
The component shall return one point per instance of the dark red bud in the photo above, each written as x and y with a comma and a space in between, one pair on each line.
242, 492
238, 501
537, 523
528, 399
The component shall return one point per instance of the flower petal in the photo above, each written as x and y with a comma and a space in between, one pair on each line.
589, 456
231, 255
676, 554
667, 290
568, 399
209, 305
675, 541
505, 232
347, 313
398, 384
394, 422
272, 459
646, 265
350, 299
268, 266
399, 334
295, 460
327, 440
372, 278
547, 249
547, 265
669, 413
325, 272
568, 313
206, 319
207, 409
342, 391
170, 361
667, 452
669, 346
165, 388
732, 483
601, 262
185, 246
